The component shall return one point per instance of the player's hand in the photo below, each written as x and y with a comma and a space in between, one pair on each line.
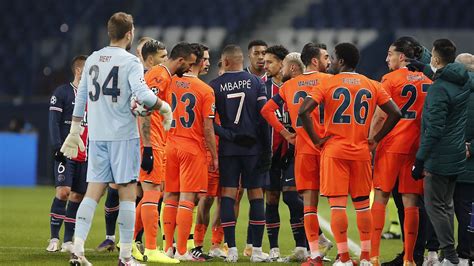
415, 65
372, 145
214, 165
244, 140
418, 169
167, 113
73, 141
290, 137
59, 156
321, 142
264, 163
147, 159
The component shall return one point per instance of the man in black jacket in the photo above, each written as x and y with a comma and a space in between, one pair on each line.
442, 154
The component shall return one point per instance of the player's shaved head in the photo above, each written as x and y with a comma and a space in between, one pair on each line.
231, 50
232, 57
118, 25
292, 66
295, 58
467, 60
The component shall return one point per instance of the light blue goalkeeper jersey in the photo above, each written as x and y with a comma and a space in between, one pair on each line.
110, 77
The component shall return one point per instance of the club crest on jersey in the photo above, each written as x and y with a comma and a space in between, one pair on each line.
53, 100
213, 108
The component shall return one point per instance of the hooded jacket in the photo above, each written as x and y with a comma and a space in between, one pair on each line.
443, 127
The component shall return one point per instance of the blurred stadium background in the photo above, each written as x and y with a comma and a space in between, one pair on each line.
43, 36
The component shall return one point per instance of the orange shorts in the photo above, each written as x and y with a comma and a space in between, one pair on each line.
186, 170
389, 167
307, 167
213, 188
340, 177
158, 173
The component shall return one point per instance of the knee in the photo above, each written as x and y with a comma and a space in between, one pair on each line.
62, 193
255, 193
272, 197
208, 201
75, 197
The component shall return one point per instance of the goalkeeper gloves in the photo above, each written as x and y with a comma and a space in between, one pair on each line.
73, 141
417, 170
147, 160
167, 113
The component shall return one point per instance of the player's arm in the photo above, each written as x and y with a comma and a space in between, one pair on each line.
308, 106
434, 128
393, 116
263, 128
268, 113
377, 122
146, 96
210, 138
55, 113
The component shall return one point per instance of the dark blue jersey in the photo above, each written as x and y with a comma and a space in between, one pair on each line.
61, 106
239, 98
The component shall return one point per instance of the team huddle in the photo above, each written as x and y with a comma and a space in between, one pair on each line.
163, 143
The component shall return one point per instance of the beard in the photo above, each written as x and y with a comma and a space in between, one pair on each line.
180, 72
129, 46
285, 78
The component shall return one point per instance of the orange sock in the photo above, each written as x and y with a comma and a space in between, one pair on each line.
169, 222
184, 223
411, 231
199, 233
150, 217
339, 225
364, 224
217, 235
378, 216
138, 219
311, 228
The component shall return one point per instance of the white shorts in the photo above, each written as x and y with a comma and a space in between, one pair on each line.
114, 161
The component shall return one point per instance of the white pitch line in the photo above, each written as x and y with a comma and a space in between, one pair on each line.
38, 248
327, 226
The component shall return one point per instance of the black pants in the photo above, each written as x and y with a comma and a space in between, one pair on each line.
439, 193
463, 198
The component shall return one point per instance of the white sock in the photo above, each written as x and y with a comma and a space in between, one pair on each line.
84, 216
256, 250
78, 247
125, 250
126, 221
110, 237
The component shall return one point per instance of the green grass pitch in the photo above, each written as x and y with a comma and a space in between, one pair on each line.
24, 231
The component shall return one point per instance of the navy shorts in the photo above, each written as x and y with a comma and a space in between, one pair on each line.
281, 176
239, 170
72, 175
